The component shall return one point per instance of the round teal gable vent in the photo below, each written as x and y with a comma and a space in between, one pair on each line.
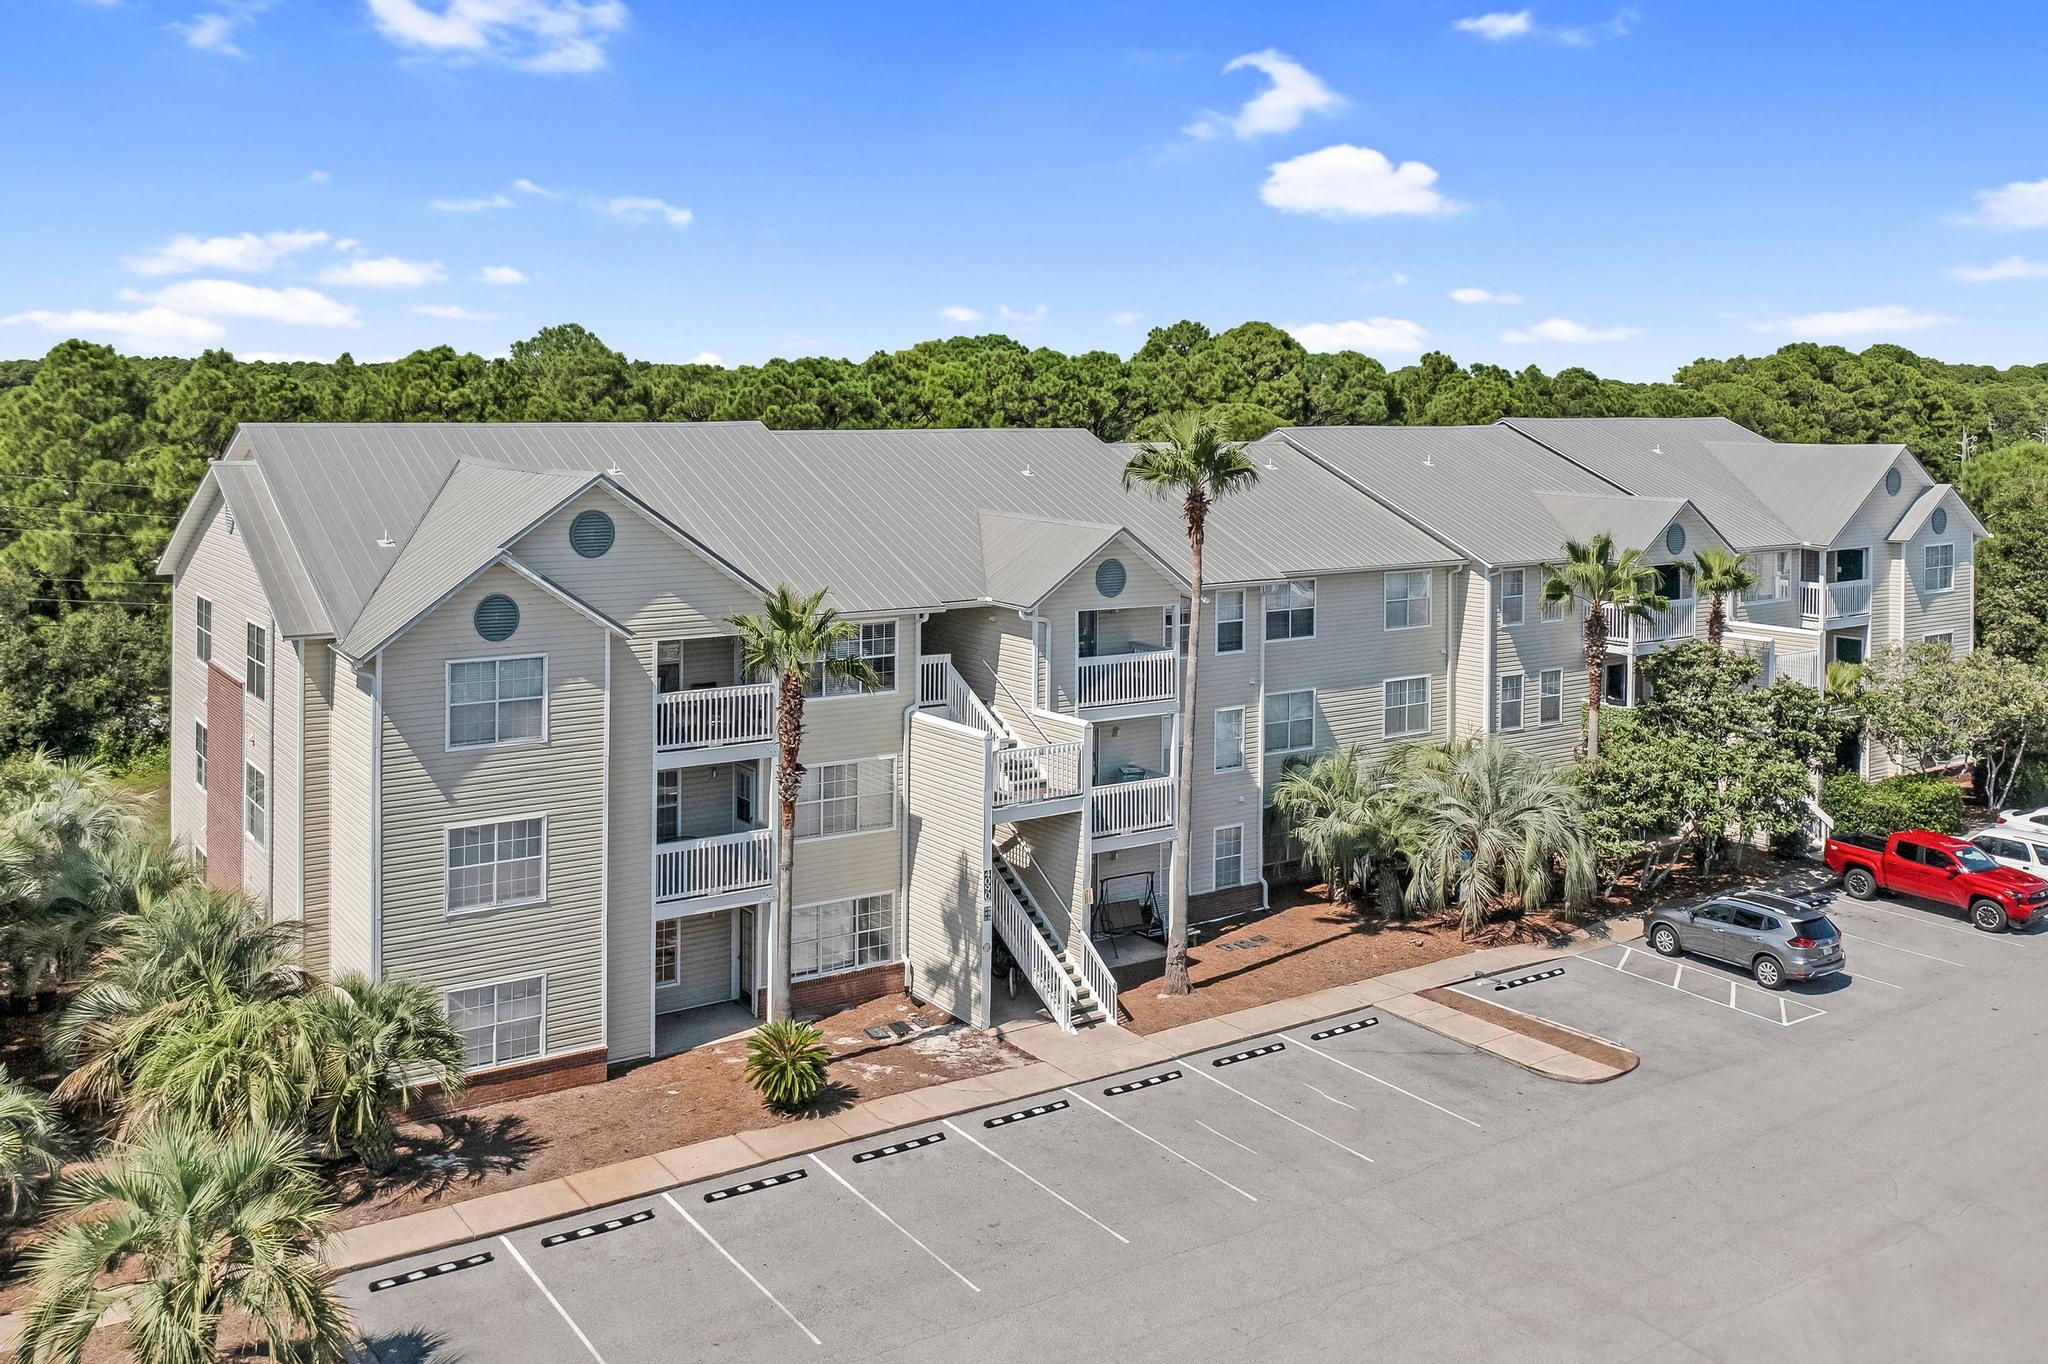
1110, 577
497, 616
1892, 481
592, 533
1674, 539
1940, 519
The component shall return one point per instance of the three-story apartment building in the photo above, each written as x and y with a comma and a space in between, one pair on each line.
466, 700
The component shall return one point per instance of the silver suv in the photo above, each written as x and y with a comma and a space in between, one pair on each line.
1773, 937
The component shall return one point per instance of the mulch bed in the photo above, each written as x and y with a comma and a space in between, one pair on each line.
1564, 1039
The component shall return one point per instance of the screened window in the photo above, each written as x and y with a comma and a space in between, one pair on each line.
1230, 622
499, 1023
1511, 702
1941, 568
1407, 706
875, 641
845, 798
1290, 721
497, 864
496, 701
1230, 739
1550, 705
199, 753
1407, 597
258, 675
1512, 583
1291, 610
1227, 860
1773, 577
842, 935
255, 804
203, 618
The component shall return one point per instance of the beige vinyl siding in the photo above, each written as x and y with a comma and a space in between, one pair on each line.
349, 799
1530, 648
843, 865
425, 789
1472, 619
843, 728
652, 582
991, 650
1146, 589
1699, 534
1139, 742
945, 934
287, 688
1870, 528
1928, 613
1227, 797
1047, 855
317, 701
705, 962
629, 909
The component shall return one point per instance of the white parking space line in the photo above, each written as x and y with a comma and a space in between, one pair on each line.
1327, 1095
1226, 1137
794, 1320
1879, 942
1074, 1093
1035, 1180
1355, 1070
847, 1185
552, 1301
1196, 1069
1873, 980
1924, 920
1732, 1003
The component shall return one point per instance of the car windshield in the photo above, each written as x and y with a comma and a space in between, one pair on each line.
1973, 859
1817, 929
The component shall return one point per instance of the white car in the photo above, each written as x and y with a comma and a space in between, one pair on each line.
2022, 847
2033, 821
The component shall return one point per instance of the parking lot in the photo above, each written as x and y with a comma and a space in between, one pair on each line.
1844, 1169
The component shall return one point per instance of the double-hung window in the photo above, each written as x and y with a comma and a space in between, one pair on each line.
499, 1023
1510, 702
1406, 707
1941, 568
258, 675
497, 701
199, 753
1230, 622
1291, 610
1946, 638
1290, 722
1550, 704
1227, 857
503, 863
1230, 739
203, 624
841, 935
846, 798
1407, 599
255, 804
874, 643
668, 805
1512, 582
1552, 612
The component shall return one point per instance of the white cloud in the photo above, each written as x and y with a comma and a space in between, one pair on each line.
639, 208
318, 177
501, 274
2012, 267
953, 312
1469, 294
1498, 27
707, 357
1344, 181
550, 36
347, 244
141, 327
1374, 335
1878, 320
247, 253
452, 312
1009, 314
214, 30
526, 186
1126, 318
1295, 92
384, 272
2020, 204
293, 305
481, 204
1567, 332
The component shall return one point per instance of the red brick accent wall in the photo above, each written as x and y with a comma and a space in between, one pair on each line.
1222, 904
520, 1080
828, 994
223, 779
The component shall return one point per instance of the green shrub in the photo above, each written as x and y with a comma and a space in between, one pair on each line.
1908, 801
786, 1063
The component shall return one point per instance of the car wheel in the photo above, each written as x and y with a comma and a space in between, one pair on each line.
1665, 939
1860, 884
1768, 972
1987, 915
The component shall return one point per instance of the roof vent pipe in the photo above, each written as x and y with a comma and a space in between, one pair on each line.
384, 540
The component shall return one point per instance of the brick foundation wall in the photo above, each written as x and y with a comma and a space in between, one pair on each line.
829, 994
1222, 904
522, 1080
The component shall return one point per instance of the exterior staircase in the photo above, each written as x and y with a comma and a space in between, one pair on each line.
1082, 1007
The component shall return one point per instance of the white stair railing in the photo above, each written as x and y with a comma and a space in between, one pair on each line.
1042, 772
710, 716
712, 866
1130, 806
940, 686
1095, 971
1035, 955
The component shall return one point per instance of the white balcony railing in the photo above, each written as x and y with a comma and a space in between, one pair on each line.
1839, 599
1130, 806
713, 866
710, 716
1675, 622
1044, 772
1128, 679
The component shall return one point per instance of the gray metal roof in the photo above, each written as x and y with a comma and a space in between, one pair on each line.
1025, 557
1632, 522
1816, 489
294, 599
1923, 507
1672, 457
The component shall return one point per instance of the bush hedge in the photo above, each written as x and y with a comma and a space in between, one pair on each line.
1908, 801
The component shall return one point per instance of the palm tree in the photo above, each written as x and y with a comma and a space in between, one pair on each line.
379, 1042
1719, 574
1351, 814
1495, 824
216, 1224
32, 1145
792, 637
1193, 465
1593, 574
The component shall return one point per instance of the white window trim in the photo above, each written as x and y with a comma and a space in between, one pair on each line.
1948, 545
1265, 727
448, 745
655, 943
1429, 714
1947, 637
1428, 595
248, 767
892, 689
895, 927
206, 629
1540, 721
895, 799
199, 773
1520, 598
540, 1055
471, 911
269, 653
1315, 612
1243, 631
1213, 833
1521, 703
1216, 729
1834, 561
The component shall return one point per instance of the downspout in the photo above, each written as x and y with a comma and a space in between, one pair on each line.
1256, 594
377, 816
1490, 713
604, 864
902, 924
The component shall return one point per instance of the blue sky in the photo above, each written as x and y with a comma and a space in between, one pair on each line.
1621, 188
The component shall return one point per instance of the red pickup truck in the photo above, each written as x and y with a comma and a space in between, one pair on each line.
1930, 866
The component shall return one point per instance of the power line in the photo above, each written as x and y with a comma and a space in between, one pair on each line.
59, 530
131, 516
89, 601
79, 482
